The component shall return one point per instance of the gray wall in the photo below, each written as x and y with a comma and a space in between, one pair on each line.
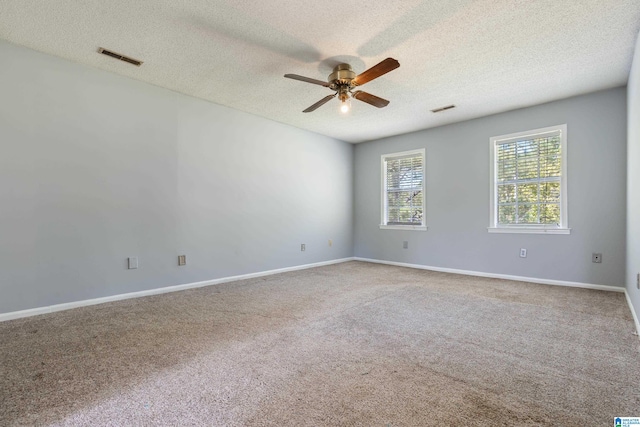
633, 181
96, 168
458, 196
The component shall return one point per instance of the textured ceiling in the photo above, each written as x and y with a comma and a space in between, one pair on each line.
484, 56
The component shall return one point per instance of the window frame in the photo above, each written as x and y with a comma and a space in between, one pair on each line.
563, 227
383, 186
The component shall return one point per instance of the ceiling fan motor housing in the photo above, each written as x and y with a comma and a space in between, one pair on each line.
341, 76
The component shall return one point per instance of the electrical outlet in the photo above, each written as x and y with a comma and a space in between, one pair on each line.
405, 245
303, 247
523, 253
597, 258
132, 262
330, 242
182, 260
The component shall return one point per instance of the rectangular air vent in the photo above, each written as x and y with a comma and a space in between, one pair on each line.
135, 62
448, 107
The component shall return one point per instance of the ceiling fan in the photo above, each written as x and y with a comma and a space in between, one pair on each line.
344, 79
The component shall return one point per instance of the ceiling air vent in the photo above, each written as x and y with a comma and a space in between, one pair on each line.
120, 57
448, 107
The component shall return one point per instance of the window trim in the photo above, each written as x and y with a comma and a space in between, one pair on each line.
383, 188
563, 228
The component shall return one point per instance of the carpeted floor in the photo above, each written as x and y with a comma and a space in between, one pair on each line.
352, 344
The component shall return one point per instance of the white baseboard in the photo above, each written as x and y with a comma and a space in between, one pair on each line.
633, 312
497, 276
67, 306
175, 288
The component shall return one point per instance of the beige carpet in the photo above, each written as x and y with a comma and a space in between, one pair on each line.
351, 344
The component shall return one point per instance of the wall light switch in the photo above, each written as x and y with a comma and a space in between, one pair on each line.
405, 245
133, 263
303, 247
182, 260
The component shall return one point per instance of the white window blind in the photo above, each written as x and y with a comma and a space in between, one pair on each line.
403, 189
529, 179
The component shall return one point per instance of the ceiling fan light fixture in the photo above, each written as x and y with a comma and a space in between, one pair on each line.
345, 105
345, 100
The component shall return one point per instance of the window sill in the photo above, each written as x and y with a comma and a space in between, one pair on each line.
529, 230
404, 227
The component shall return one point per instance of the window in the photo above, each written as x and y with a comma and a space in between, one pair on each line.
403, 184
528, 182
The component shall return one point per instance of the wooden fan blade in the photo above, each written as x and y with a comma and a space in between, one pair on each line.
376, 71
319, 103
306, 79
370, 99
